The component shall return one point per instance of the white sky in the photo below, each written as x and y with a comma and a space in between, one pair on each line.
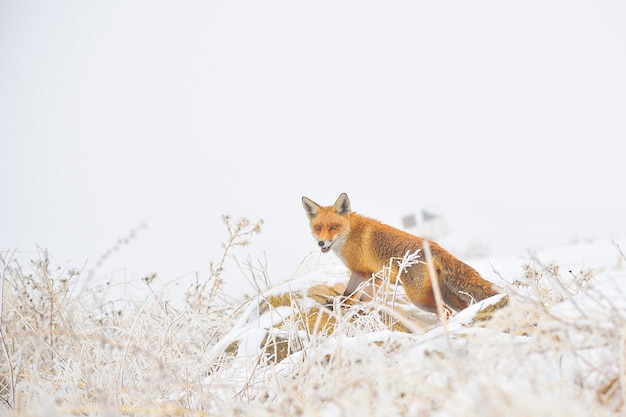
507, 117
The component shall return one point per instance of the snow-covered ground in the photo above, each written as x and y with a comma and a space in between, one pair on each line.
558, 347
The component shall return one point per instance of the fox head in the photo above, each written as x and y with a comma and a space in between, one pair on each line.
329, 224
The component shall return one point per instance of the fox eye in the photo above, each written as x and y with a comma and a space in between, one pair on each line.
318, 228
333, 227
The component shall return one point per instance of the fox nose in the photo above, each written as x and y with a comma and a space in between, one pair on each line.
321, 243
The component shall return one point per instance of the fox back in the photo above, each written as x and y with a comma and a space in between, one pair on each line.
366, 246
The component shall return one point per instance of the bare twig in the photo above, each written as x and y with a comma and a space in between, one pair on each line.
12, 381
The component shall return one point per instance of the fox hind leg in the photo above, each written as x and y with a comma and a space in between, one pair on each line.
452, 300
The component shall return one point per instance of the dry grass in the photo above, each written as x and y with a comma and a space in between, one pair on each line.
69, 348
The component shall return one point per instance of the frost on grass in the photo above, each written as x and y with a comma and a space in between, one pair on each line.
68, 348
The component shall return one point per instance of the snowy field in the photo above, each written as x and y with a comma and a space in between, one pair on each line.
150, 119
75, 344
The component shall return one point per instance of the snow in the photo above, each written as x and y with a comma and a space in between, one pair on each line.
555, 348
537, 356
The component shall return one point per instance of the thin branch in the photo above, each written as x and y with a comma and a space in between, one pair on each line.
2, 340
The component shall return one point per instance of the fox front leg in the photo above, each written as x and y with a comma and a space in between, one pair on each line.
356, 279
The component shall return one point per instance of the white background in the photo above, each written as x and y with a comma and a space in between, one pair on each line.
509, 118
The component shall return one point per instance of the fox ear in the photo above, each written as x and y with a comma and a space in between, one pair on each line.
311, 207
342, 205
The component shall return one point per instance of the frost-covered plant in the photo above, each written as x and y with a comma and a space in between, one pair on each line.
545, 282
201, 296
66, 343
68, 347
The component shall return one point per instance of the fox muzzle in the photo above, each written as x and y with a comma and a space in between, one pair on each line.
325, 245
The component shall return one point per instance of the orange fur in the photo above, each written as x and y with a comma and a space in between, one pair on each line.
366, 245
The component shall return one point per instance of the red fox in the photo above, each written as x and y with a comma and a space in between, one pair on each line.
366, 245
